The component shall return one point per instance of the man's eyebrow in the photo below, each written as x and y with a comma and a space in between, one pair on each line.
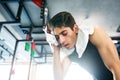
61, 32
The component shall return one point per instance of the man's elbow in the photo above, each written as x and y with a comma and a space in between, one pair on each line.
114, 66
115, 69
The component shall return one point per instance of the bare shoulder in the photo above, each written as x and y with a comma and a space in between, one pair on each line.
100, 37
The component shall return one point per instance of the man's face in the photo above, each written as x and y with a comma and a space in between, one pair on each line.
66, 36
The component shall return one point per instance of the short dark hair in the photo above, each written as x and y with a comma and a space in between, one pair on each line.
62, 19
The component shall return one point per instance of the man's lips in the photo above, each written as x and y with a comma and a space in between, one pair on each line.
66, 45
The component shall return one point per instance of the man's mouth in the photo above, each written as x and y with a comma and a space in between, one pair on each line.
66, 45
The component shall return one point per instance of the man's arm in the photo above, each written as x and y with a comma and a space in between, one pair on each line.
59, 68
107, 50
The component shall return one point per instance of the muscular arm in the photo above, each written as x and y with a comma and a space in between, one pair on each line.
59, 67
107, 51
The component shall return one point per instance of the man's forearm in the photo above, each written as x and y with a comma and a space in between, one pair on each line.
57, 66
116, 71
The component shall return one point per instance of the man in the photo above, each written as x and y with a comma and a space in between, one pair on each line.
82, 44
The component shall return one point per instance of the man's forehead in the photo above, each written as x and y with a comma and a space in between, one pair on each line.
57, 30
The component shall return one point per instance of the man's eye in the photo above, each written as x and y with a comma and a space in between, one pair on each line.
64, 33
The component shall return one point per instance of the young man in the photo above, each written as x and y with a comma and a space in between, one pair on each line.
85, 44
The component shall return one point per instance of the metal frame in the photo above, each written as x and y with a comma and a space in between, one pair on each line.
16, 21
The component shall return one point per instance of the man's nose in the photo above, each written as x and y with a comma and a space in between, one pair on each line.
61, 39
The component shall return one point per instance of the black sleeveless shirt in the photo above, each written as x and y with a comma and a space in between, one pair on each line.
92, 62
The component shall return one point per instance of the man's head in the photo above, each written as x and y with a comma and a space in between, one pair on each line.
65, 29
62, 19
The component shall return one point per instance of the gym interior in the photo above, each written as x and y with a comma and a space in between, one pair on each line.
24, 52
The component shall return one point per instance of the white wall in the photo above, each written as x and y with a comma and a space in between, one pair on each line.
103, 12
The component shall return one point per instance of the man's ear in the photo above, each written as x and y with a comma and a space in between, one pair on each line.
75, 28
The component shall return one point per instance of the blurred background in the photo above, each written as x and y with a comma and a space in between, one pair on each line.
24, 52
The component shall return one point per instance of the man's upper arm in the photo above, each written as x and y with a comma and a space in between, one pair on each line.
105, 47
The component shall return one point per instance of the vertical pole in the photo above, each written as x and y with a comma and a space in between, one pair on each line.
30, 64
13, 59
29, 68
0, 27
